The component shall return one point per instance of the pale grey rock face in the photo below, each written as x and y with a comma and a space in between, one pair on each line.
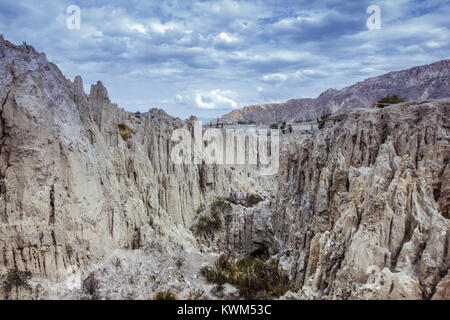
358, 210
72, 190
366, 216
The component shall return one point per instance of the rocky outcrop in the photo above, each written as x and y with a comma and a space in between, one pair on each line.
419, 83
71, 188
362, 209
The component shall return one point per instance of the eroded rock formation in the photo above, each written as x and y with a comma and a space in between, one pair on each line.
363, 204
359, 209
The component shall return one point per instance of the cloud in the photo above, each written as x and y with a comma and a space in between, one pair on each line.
215, 99
175, 54
202, 104
274, 77
306, 73
225, 37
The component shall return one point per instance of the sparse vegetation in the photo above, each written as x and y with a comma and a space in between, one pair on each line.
125, 131
282, 126
389, 99
179, 262
165, 295
255, 278
208, 223
218, 202
322, 119
91, 286
200, 209
16, 278
196, 294
274, 126
211, 221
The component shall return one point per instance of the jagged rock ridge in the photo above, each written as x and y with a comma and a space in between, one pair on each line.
419, 83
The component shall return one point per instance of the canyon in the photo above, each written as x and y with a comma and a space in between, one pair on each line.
92, 205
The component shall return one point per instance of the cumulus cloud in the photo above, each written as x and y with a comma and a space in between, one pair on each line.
215, 99
225, 37
274, 77
175, 54
306, 73
202, 104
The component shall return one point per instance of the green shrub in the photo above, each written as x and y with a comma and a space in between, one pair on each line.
16, 278
214, 275
200, 209
212, 220
196, 294
220, 288
390, 99
165, 295
208, 223
220, 204
255, 278
125, 131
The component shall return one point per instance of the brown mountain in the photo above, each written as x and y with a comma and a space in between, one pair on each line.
418, 83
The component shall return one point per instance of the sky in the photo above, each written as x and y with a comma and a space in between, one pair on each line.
207, 58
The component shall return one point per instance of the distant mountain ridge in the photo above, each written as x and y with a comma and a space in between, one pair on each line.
419, 83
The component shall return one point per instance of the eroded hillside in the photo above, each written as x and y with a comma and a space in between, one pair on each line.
92, 205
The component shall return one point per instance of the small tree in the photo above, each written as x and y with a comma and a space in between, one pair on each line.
322, 119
